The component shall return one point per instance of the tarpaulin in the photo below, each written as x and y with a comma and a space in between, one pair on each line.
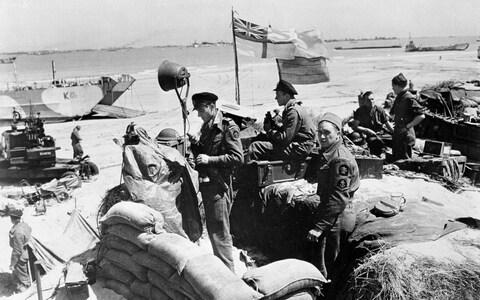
77, 241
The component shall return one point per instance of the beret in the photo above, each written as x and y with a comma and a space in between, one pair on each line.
204, 97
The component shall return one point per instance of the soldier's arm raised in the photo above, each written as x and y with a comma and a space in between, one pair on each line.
285, 136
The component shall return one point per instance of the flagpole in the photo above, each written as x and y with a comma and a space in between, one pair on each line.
237, 84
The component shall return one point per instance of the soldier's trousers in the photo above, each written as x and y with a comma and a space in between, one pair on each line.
77, 150
265, 150
332, 242
20, 275
402, 144
217, 204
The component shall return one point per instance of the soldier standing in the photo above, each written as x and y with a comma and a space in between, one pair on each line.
77, 147
217, 152
407, 114
19, 236
296, 137
338, 179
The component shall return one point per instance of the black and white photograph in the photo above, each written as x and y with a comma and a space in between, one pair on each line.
239, 149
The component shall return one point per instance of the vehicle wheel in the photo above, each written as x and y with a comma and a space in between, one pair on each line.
93, 168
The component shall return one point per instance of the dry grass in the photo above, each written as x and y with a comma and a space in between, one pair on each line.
386, 276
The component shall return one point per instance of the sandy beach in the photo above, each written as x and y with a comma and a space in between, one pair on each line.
348, 75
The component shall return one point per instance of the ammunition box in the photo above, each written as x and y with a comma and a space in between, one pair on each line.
270, 172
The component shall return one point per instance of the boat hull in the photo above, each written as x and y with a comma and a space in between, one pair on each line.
455, 47
60, 103
368, 47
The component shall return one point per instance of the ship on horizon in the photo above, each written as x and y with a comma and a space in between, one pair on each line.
411, 47
66, 99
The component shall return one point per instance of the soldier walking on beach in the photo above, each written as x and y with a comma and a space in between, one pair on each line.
19, 237
296, 137
218, 150
77, 147
338, 179
407, 114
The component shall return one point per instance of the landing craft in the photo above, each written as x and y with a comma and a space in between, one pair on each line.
61, 100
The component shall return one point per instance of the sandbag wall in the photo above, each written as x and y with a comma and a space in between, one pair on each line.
140, 260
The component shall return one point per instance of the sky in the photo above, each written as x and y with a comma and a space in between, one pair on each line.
27, 25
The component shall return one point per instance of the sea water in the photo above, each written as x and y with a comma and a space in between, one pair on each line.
212, 67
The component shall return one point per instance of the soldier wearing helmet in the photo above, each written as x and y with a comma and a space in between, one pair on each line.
19, 235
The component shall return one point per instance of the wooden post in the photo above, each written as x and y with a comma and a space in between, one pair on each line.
237, 84
38, 280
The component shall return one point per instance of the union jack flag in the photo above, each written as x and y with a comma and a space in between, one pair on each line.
250, 31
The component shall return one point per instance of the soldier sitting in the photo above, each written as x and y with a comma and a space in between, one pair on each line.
370, 120
294, 139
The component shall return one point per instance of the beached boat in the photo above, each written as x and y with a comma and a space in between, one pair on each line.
410, 47
60, 100
367, 47
452, 118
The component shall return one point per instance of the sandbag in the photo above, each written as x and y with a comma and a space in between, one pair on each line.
159, 295
160, 283
131, 234
174, 250
212, 280
283, 277
124, 261
141, 288
119, 288
165, 271
137, 215
137, 297
148, 178
161, 177
114, 242
110, 271
155, 264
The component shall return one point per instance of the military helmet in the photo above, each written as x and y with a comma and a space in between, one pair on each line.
168, 135
14, 210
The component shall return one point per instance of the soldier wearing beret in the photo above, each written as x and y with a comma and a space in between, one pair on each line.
295, 139
218, 150
19, 236
406, 113
338, 179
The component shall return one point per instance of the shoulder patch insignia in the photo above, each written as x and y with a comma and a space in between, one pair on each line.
236, 134
343, 170
342, 184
